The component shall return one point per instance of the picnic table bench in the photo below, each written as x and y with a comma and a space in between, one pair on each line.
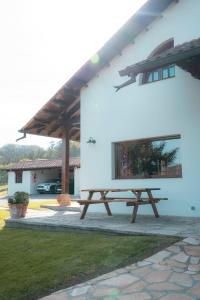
135, 201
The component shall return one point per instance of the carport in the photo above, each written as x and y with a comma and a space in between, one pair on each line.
26, 175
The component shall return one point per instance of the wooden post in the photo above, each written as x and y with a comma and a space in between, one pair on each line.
65, 161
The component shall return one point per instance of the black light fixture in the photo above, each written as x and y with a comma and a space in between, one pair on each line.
91, 141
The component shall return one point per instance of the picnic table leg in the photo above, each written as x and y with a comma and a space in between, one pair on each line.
153, 204
103, 196
135, 208
134, 214
85, 208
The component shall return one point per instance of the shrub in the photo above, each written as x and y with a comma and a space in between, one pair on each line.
19, 198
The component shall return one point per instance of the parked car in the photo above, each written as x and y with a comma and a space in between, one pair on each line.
59, 189
49, 187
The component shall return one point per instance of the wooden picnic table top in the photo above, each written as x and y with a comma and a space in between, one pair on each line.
120, 190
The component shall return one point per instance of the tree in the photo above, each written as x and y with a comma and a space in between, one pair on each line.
150, 158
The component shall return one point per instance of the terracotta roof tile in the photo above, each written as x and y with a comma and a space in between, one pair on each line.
42, 164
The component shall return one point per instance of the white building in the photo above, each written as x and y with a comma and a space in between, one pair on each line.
26, 175
147, 133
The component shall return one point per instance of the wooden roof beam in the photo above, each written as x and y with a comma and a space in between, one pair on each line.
80, 81
74, 109
35, 126
70, 92
60, 102
62, 122
49, 111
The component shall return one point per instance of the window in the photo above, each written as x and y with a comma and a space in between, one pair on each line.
163, 72
159, 74
18, 176
148, 158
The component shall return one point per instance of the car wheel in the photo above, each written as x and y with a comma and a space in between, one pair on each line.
52, 190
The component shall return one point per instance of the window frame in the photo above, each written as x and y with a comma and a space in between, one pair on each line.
160, 74
18, 176
164, 46
116, 160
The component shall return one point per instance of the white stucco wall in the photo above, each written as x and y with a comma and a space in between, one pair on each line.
140, 111
19, 187
30, 180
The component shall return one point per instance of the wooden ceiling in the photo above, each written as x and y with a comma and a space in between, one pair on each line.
63, 109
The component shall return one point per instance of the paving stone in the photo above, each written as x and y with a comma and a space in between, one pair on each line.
105, 276
168, 275
106, 291
192, 241
181, 296
194, 268
161, 267
142, 271
80, 290
178, 270
157, 276
174, 249
136, 296
164, 286
143, 263
180, 257
196, 290
196, 277
120, 280
56, 296
194, 260
135, 287
192, 250
190, 272
182, 279
160, 256
175, 264
181, 243
122, 271
156, 295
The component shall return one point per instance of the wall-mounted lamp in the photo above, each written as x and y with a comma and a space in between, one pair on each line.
91, 141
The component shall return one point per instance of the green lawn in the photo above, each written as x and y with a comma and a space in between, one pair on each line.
2, 187
36, 263
36, 204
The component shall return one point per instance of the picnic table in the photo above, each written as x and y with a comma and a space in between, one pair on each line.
136, 200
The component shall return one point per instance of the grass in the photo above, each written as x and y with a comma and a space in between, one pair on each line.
36, 263
3, 215
4, 193
36, 204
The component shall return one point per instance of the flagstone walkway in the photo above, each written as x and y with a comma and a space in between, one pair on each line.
171, 274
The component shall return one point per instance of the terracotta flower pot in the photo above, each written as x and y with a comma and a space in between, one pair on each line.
64, 199
18, 211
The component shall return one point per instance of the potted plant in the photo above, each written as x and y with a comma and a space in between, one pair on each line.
18, 205
64, 200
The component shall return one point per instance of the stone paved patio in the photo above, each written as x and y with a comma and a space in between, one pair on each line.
65, 220
171, 274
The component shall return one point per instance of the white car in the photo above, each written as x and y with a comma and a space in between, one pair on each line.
48, 187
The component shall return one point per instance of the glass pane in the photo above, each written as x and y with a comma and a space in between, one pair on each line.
155, 75
165, 73
171, 71
149, 158
149, 77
